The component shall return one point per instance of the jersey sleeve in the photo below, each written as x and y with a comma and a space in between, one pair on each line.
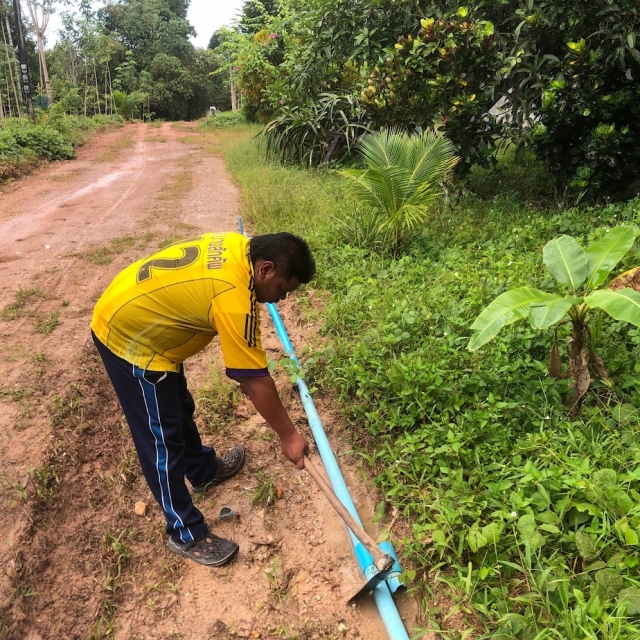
236, 317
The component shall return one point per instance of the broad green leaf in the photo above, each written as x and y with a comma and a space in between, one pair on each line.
476, 540
630, 598
586, 546
550, 528
605, 478
506, 309
604, 254
623, 304
492, 532
438, 536
610, 581
631, 537
623, 501
587, 507
566, 261
545, 315
529, 532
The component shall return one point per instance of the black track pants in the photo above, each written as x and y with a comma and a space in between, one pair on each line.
159, 410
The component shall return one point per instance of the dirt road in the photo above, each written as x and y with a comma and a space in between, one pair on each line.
76, 561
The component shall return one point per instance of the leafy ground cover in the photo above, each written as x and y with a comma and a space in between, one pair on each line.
24, 145
531, 518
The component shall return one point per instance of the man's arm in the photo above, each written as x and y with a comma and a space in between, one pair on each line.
262, 391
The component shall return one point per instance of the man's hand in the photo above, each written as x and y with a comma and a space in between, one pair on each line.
295, 447
262, 391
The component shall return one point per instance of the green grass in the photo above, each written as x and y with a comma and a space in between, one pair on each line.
222, 120
216, 401
105, 254
23, 297
528, 519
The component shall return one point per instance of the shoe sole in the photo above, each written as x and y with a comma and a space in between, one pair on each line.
208, 563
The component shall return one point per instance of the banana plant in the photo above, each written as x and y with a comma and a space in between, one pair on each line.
581, 273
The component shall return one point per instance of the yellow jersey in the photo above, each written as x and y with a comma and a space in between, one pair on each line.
170, 305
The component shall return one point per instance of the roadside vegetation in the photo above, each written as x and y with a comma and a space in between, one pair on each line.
530, 517
25, 145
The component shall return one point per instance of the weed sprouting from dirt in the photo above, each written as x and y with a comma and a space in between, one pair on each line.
67, 410
47, 324
101, 256
12, 488
106, 254
266, 491
23, 296
217, 401
44, 482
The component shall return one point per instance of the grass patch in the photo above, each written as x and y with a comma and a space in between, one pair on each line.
105, 254
101, 256
216, 401
177, 186
23, 297
155, 139
530, 518
125, 141
45, 325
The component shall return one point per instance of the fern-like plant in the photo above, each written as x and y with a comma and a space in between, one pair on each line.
404, 176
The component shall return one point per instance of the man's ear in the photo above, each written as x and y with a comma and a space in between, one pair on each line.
265, 269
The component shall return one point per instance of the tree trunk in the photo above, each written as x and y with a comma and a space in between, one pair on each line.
8, 44
86, 88
578, 368
40, 23
95, 75
234, 102
1, 108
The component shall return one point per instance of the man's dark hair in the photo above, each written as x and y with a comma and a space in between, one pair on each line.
289, 253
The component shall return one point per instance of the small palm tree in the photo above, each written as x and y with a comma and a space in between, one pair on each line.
403, 178
127, 103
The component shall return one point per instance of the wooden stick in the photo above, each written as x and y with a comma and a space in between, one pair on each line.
381, 559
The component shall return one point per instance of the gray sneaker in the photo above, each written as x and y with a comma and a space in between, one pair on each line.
209, 549
228, 466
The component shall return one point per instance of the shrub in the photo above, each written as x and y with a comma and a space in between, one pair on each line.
444, 75
316, 132
44, 141
223, 120
577, 76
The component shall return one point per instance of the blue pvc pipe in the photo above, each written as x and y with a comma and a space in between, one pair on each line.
382, 593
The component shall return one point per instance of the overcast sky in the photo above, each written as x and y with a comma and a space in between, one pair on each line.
206, 16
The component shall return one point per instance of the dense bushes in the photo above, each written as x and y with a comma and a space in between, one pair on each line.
558, 77
223, 120
577, 76
24, 144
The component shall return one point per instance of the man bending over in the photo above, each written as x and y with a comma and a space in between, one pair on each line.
167, 307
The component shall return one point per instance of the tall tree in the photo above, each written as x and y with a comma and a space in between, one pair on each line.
40, 12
